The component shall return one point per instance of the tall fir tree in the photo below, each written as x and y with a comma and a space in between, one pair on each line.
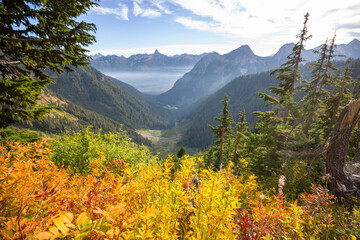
223, 134
340, 96
288, 75
37, 35
240, 135
317, 88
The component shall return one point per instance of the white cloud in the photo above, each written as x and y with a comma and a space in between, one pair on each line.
266, 25
159, 5
194, 24
121, 13
149, 13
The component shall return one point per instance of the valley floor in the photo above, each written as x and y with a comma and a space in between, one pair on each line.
165, 142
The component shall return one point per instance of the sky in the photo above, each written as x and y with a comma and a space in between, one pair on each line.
126, 27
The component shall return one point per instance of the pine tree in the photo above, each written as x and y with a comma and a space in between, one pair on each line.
37, 35
223, 133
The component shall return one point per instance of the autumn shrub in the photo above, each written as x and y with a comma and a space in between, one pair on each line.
77, 151
149, 200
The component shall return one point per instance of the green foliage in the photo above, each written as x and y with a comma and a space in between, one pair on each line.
37, 35
15, 135
76, 151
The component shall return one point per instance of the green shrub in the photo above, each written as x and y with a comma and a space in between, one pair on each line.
76, 150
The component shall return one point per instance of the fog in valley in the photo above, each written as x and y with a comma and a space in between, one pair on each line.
153, 81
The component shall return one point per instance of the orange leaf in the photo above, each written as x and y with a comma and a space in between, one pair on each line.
44, 235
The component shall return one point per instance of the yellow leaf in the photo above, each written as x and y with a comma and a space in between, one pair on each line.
54, 230
61, 226
67, 217
44, 235
352, 237
70, 225
81, 218
118, 209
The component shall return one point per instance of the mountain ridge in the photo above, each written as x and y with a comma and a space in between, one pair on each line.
214, 71
143, 62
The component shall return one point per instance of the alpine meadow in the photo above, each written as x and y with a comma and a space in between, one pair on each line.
147, 119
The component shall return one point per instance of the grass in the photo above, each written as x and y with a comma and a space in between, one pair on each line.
165, 142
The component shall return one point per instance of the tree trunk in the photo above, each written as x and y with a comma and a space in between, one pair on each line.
357, 151
340, 183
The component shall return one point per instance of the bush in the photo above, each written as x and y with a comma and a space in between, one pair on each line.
78, 151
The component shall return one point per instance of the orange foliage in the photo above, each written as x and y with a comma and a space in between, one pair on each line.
40, 201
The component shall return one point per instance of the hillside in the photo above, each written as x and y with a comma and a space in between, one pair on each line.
243, 96
214, 71
90, 89
67, 116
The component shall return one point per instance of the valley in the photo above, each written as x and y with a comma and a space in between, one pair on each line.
154, 82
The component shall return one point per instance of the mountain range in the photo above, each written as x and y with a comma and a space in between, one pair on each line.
143, 62
214, 71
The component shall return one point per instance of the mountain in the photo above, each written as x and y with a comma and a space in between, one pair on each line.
214, 71
143, 62
242, 93
350, 50
67, 116
90, 89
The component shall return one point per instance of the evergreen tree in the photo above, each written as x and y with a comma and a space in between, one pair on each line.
288, 75
321, 76
240, 135
223, 133
181, 152
341, 95
37, 35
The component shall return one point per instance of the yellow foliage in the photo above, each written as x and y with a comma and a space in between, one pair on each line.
151, 201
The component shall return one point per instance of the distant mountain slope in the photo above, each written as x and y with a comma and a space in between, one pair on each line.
243, 96
90, 89
72, 117
143, 62
214, 71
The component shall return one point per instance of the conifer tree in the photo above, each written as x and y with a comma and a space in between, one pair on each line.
341, 95
181, 152
288, 75
321, 77
240, 134
37, 35
223, 132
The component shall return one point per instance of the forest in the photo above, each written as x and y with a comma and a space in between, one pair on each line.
292, 174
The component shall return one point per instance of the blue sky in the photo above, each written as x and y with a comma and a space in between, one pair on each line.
127, 27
